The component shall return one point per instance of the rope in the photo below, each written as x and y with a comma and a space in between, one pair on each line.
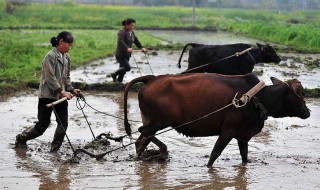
147, 57
237, 54
81, 108
166, 58
65, 131
234, 102
134, 59
86, 103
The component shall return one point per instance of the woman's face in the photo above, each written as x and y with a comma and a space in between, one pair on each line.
130, 27
64, 47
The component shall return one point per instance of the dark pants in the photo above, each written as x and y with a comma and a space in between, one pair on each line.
44, 115
123, 68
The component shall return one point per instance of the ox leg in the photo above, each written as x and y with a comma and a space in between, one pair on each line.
220, 145
138, 142
243, 147
160, 144
147, 136
141, 144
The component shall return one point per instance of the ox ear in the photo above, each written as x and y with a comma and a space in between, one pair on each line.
259, 45
275, 80
295, 83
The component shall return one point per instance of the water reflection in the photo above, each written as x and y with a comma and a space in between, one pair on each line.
219, 181
56, 177
152, 175
281, 155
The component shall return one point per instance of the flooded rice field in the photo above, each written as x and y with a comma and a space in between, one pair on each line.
285, 155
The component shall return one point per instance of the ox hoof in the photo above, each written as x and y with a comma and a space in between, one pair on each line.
154, 155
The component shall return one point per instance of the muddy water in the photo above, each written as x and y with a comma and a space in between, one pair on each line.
283, 156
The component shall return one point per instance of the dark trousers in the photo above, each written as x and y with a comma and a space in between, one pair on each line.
123, 68
44, 115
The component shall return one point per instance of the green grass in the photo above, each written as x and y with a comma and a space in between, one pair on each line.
25, 32
25, 50
297, 29
275, 26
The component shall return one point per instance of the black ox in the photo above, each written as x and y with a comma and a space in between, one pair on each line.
222, 59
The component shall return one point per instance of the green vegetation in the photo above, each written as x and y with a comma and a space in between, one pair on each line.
313, 93
26, 29
297, 29
25, 50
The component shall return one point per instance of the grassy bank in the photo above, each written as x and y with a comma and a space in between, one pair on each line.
25, 31
297, 29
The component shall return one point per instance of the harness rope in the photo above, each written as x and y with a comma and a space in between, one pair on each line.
86, 103
147, 57
65, 131
81, 108
244, 99
237, 54
235, 102
100, 156
134, 59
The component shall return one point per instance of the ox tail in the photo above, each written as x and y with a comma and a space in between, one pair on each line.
143, 79
184, 49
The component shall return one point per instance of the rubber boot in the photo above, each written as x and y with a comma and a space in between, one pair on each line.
58, 138
26, 135
114, 77
120, 73
120, 78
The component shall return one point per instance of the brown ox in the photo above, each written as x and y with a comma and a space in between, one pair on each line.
173, 100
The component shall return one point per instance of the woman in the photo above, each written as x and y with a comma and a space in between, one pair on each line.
126, 38
55, 83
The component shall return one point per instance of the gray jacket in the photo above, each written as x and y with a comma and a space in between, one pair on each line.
55, 75
125, 41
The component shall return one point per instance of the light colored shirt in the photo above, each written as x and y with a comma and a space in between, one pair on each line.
55, 75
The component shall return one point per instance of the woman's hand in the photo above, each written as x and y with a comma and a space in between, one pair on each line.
129, 50
76, 91
144, 50
66, 94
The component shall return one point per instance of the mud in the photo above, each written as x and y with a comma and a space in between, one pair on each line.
283, 156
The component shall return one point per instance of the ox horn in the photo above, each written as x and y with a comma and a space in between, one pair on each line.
275, 80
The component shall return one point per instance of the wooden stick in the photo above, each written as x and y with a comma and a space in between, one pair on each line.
57, 102
138, 50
